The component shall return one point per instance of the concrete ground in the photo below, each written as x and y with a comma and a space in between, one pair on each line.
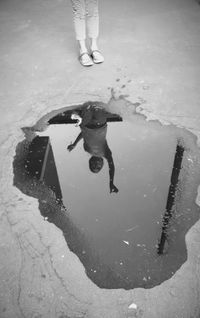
152, 50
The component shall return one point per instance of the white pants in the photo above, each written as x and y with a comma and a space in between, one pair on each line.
86, 18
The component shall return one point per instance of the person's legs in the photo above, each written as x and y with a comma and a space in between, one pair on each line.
78, 7
92, 23
79, 12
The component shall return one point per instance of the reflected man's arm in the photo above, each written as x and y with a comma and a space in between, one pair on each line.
108, 156
73, 145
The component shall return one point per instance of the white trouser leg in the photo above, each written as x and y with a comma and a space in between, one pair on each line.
92, 18
79, 12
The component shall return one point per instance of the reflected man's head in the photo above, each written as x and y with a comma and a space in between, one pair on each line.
96, 164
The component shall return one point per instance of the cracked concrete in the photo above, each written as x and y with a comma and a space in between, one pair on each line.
153, 59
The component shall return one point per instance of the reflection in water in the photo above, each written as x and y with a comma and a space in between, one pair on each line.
114, 236
171, 196
93, 124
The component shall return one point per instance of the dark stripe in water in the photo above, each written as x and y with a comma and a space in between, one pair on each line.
171, 196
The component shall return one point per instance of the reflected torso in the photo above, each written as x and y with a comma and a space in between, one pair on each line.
94, 140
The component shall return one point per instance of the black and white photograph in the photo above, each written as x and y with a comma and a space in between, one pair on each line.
99, 159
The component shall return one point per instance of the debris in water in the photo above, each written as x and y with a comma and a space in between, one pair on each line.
126, 242
132, 306
132, 228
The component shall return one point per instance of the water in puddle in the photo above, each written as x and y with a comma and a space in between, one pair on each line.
119, 211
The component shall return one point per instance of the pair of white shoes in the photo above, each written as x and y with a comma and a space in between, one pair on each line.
87, 59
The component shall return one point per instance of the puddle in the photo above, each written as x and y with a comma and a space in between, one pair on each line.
126, 211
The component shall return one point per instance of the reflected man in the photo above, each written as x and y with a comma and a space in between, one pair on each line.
93, 124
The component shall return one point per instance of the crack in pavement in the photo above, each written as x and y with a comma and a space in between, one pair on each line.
27, 247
